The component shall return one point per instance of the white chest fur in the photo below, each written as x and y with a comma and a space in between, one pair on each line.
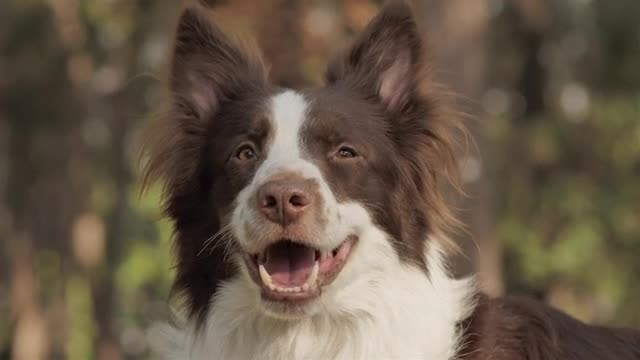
396, 313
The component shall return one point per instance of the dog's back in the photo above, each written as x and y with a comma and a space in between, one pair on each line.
520, 328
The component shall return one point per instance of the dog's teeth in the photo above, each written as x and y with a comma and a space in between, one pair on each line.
311, 280
287, 289
313, 277
324, 255
264, 275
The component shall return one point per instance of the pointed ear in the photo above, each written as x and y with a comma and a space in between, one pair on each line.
208, 68
386, 58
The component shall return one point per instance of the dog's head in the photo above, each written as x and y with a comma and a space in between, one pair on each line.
299, 194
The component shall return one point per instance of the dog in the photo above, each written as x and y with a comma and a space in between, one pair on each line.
310, 224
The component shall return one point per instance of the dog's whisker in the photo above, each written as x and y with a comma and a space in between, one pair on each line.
223, 231
222, 241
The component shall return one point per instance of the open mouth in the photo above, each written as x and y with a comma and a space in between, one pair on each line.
292, 271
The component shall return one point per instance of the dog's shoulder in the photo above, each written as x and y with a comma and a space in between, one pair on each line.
517, 328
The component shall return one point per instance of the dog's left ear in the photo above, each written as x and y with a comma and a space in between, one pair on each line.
385, 59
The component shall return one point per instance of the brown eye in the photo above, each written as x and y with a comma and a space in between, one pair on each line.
246, 153
346, 152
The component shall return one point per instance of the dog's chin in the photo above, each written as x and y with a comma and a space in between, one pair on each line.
291, 275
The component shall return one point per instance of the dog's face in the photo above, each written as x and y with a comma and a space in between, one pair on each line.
299, 193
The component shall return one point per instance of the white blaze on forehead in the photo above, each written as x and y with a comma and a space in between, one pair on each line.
288, 112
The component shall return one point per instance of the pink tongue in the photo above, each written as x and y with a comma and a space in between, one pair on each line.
289, 264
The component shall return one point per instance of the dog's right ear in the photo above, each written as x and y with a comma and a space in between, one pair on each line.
208, 68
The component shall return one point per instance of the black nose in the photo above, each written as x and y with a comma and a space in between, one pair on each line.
284, 201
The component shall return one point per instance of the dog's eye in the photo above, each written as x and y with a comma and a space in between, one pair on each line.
346, 152
246, 153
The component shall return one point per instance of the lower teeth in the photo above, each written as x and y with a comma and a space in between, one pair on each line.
309, 283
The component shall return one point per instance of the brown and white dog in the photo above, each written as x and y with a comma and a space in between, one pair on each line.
309, 223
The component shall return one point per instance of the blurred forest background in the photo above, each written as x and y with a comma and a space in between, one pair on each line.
552, 89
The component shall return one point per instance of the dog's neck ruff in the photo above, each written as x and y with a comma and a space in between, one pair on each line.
402, 314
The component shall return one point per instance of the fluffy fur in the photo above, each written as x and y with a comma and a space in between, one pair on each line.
367, 153
393, 313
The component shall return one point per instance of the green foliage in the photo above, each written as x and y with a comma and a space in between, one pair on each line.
572, 203
568, 204
81, 325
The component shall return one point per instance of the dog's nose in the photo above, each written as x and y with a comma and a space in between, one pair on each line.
283, 201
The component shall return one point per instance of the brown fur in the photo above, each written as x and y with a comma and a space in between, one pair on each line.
380, 99
423, 127
211, 77
514, 328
